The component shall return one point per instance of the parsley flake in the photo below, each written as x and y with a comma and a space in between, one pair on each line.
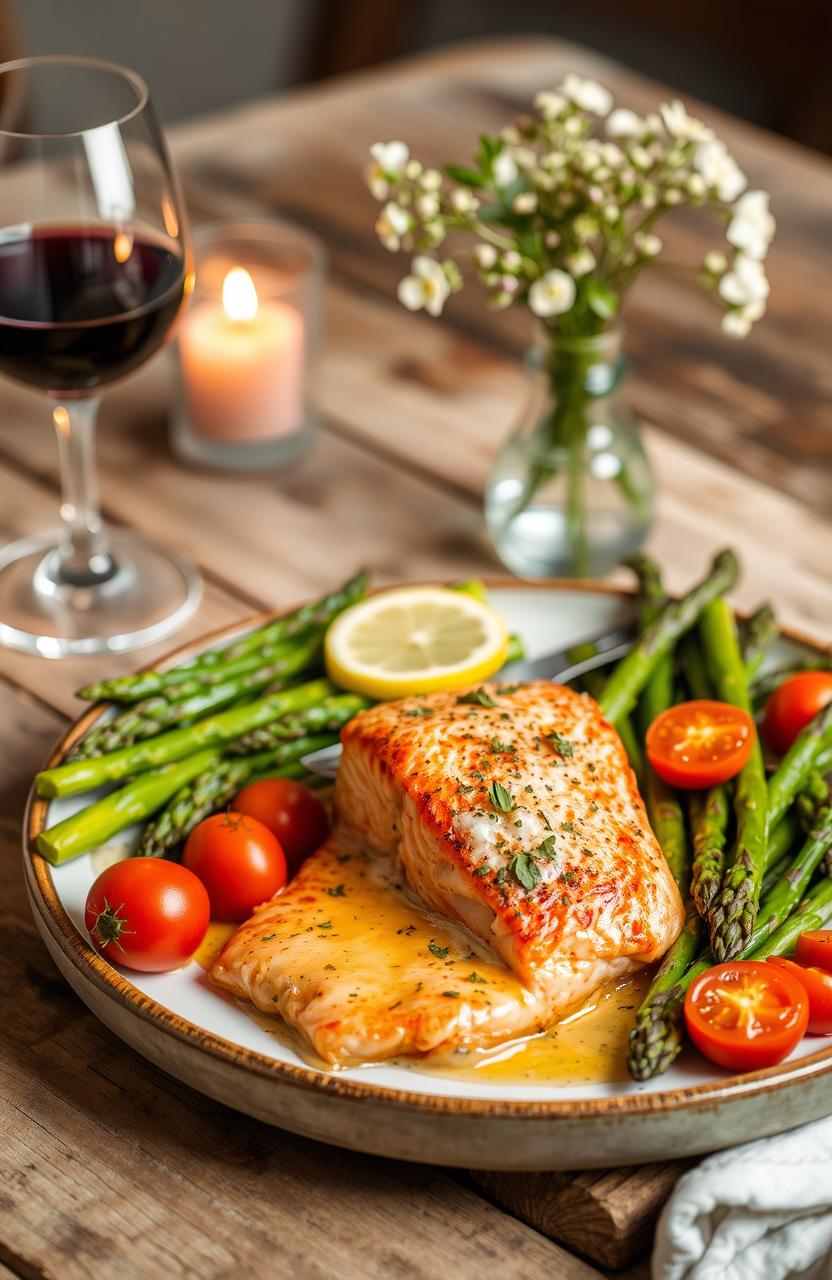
501, 798
336, 891
475, 977
267, 937
525, 870
477, 698
419, 711
563, 746
453, 995
546, 849
435, 950
507, 748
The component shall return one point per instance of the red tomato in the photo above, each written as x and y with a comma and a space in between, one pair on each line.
746, 1014
815, 948
238, 860
291, 812
147, 914
793, 705
699, 744
818, 984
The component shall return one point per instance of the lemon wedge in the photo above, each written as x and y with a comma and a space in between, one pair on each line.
414, 640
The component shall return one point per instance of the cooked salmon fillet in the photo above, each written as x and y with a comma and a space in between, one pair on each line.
514, 810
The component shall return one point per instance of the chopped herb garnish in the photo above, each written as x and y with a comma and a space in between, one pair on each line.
481, 871
546, 849
500, 798
267, 937
506, 747
567, 826
508, 688
567, 876
593, 806
453, 995
500, 876
435, 950
465, 788
420, 711
475, 977
343, 857
477, 697
563, 746
525, 870
325, 924
336, 891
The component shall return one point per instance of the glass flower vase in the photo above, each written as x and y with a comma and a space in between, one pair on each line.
571, 493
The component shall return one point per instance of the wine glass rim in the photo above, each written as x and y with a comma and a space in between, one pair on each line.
138, 83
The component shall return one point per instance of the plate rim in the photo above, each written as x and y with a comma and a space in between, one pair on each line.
44, 898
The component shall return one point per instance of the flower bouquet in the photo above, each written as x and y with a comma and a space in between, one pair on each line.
561, 215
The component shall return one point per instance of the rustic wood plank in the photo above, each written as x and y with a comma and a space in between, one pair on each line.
110, 1168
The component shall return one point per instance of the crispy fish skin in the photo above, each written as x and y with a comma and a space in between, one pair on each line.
515, 810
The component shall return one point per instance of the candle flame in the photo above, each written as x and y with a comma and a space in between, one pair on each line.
239, 296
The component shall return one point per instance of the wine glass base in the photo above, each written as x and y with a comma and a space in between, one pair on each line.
151, 595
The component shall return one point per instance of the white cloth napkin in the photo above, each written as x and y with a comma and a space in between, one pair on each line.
762, 1211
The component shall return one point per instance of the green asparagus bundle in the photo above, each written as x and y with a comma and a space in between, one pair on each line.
808, 748
83, 775
247, 654
328, 717
757, 635
212, 789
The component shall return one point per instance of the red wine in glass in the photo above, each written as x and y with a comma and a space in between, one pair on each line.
81, 306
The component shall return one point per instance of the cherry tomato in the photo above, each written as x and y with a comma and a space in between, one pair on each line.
793, 705
815, 948
147, 914
238, 860
699, 744
746, 1014
818, 984
291, 812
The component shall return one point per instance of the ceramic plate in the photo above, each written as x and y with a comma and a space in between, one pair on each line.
214, 1044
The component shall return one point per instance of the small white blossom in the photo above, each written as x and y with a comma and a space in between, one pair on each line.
431, 180
510, 135
752, 226
587, 94
696, 186
392, 223
640, 157
485, 255
649, 245
552, 294
735, 324
719, 169
389, 162
524, 157
581, 262
525, 202
505, 168
715, 263
412, 170
611, 213
551, 239
745, 283
612, 155
653, 124
464, 201
427, 286
511, 260
509, 284
624, 123
553, 160
549, 103
427, 205
672, 195
681, 126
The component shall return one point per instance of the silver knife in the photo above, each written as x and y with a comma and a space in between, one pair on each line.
557, 666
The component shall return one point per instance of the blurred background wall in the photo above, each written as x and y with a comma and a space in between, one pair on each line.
769, 61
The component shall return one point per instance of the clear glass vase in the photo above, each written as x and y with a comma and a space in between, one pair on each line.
571, 492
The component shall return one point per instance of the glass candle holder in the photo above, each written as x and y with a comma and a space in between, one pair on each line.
247, 346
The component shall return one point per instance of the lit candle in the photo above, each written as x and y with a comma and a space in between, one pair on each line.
243, 364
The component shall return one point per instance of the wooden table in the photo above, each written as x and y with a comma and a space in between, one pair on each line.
110, 1168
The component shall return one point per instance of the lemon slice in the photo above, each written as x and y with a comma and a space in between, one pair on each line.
414, 640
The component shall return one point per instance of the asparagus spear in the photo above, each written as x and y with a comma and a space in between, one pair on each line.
133, 803
734, 909
765, 684
328, 717
82, 775
809, 747
677, 617
709, 811
218, 784
812, 913
241, 656
790, 888
758, 635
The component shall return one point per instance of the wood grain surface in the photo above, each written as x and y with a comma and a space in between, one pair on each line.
108, 1168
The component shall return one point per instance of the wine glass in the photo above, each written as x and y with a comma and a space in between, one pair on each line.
94, 267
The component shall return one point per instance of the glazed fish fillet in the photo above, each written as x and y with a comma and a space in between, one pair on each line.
513, 809
364, 972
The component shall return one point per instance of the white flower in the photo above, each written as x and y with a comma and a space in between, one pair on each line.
640, 157
649, 245
587, 94
611, 212
624, 123
426, 287
672, 195
745, 283
485, 255
412, 170
736, 324
427, 205
549, 103
392, 223
551, 239
509, 284
715, 263
505, 168
752, 227
463, 200
390, 160
611, 154
552, 294
526, 202
431, 180
719, 169
581, 262
682, 126
524, 157
696, 186
511, 260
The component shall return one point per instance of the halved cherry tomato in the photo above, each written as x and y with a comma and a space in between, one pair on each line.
291, 811
793, 705
815, 947
818, 984
746, 1014
238, 860
699, 744
147, 914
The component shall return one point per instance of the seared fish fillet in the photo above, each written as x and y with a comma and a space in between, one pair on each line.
348, 958
513, 809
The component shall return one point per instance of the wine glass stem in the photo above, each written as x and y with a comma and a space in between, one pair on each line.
83, 558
